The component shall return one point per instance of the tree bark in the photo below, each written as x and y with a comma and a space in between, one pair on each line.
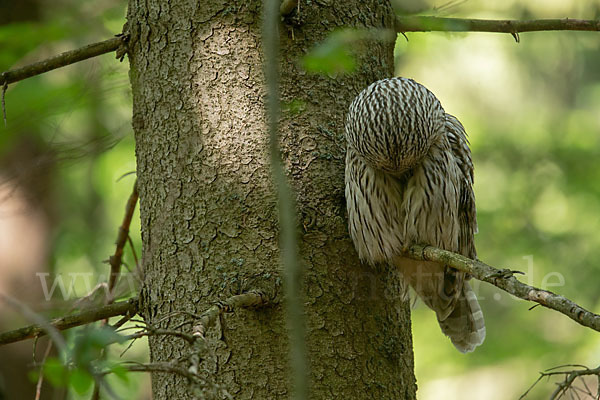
208, 210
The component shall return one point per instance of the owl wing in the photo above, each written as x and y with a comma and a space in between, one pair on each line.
466, 208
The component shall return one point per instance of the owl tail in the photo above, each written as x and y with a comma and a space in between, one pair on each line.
447, 292
465, 325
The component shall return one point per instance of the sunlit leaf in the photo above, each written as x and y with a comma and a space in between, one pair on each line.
336, 53
333, 55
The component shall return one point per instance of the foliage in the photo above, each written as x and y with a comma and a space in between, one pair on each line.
531, 114
75, 125
530, 110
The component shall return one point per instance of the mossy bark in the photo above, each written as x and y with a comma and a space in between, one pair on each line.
207, 203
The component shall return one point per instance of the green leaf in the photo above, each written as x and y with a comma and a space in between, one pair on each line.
333, 55
19, 38
33, 375
120, 372
80, 380
55, 372
90, 342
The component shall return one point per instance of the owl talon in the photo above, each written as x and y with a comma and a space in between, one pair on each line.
504, 273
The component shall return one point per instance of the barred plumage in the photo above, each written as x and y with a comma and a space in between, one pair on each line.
409, 178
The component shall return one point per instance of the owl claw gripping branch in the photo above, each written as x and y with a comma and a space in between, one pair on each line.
409, 178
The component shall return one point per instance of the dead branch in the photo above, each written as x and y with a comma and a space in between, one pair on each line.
505, 280
115, 260
42, 323
71, 321
150, 331
63, 59
166, 367
429, 24
569, 378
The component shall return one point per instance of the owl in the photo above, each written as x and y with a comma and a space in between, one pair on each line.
408, 180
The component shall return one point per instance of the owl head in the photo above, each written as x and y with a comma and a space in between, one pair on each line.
392, 124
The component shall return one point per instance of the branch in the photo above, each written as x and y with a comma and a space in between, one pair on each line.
514, 27
199, 383
252, 299
61, 60
148, 331
159, 367
569, 378
42, 322
38, 386
504, 280
116, 259
71, 321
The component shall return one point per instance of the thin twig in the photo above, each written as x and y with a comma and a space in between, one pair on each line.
440, 24
121, 322
165, 332
116, 259
38, 386
70, 321
63, 59
292, 271
159, 367
4, 87
162, 367
251, 299
569, 378
505, 280
43, 325
133, 252
198, 382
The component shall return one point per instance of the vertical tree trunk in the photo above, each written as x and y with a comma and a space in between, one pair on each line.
208, 212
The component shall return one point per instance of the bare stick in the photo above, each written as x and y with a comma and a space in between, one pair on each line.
505, 280
158, 367
42, 323
38, 386
115, 262
116, 259
63, 59
149, 331
252, 299
71, 321
569, 378
4, 87
429, 24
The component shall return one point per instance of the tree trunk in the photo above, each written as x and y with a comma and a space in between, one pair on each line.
208, 209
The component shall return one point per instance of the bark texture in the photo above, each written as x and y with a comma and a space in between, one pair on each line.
207, 204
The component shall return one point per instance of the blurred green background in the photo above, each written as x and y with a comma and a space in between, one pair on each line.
532, 112
67, 144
